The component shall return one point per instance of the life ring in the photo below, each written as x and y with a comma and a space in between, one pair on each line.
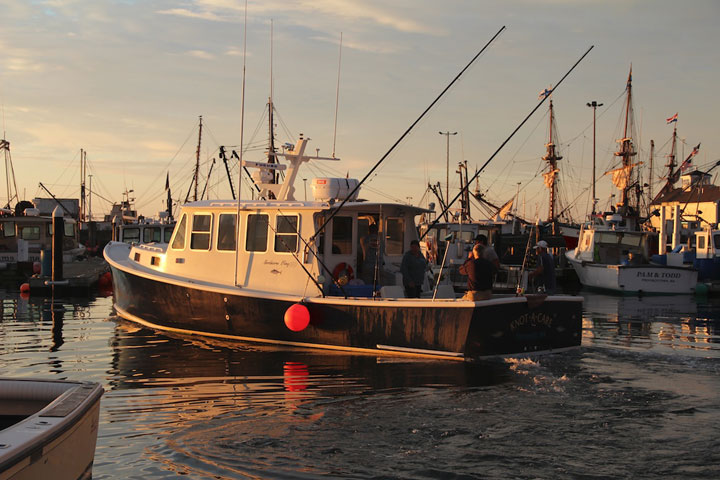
339, 269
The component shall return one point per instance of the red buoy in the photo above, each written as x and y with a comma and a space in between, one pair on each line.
25, 288
297, 317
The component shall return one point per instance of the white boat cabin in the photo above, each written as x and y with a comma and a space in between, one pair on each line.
22, 238
608, 245
271, 247
144, 232
707, 243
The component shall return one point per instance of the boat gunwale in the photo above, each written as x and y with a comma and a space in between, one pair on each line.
57, 425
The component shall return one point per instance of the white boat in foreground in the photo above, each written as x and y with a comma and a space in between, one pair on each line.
49, 428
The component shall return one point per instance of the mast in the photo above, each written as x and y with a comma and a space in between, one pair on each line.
650, 175
626, 152
551, 157
271, 153
196, 179
83, 171
9, 173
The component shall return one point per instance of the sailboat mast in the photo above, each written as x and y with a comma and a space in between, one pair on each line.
650, 175
673, 152
626, 148
551, 157
197, 162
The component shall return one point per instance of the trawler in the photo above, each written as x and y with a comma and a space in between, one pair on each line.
613, 251
295, 273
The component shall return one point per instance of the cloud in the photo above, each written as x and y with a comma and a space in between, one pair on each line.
316, 14
184, 12
201, 54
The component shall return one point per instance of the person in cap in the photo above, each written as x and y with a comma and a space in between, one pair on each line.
413, 270
545, 267
480, 276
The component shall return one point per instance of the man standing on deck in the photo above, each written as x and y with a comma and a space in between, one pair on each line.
413, 270
545, 267
480, 275
489, 253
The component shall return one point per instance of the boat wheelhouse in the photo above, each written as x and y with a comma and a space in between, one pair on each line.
24, 237
319, 273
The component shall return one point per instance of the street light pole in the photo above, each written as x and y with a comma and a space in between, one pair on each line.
447, 167
594, 104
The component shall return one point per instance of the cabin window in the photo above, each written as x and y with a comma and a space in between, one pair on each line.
716, 241
151, 234
200, 235
286, 233
167, 234
8, 229
631, 240
131, 235
30, 232
69, 229
701, 243
226, 231
342, 236
179, 240
467, 236
257, 233
395, 236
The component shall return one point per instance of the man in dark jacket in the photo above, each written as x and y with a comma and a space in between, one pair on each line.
413, 270
480, 276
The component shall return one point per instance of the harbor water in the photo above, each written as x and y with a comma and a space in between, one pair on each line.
640, 399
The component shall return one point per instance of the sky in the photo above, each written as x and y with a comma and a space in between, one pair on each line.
126, 80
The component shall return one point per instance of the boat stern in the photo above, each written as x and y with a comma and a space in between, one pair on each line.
527, 325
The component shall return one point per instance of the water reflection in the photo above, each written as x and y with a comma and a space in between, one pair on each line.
660, 323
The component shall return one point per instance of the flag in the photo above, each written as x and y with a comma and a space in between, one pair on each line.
544, 93
688, 161
167, 182
672, 119
504, 210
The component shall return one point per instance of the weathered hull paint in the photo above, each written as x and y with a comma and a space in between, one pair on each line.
505, 327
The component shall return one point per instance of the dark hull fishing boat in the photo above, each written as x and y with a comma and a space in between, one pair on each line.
282, 271
244, 271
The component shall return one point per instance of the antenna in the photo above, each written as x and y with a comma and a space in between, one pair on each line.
337, 96
242, 129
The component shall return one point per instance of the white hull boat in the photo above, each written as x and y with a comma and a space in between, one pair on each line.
49, 428
636, 279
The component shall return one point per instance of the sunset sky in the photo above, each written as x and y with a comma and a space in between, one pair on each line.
126, 80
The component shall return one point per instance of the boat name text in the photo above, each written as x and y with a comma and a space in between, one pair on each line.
534, 319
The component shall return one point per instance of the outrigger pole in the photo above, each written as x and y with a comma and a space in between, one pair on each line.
357, 187
462, 190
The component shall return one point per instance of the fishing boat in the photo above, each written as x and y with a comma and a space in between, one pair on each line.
613, 251
282, 271
48, 428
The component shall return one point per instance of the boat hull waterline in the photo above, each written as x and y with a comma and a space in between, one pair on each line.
503, 326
